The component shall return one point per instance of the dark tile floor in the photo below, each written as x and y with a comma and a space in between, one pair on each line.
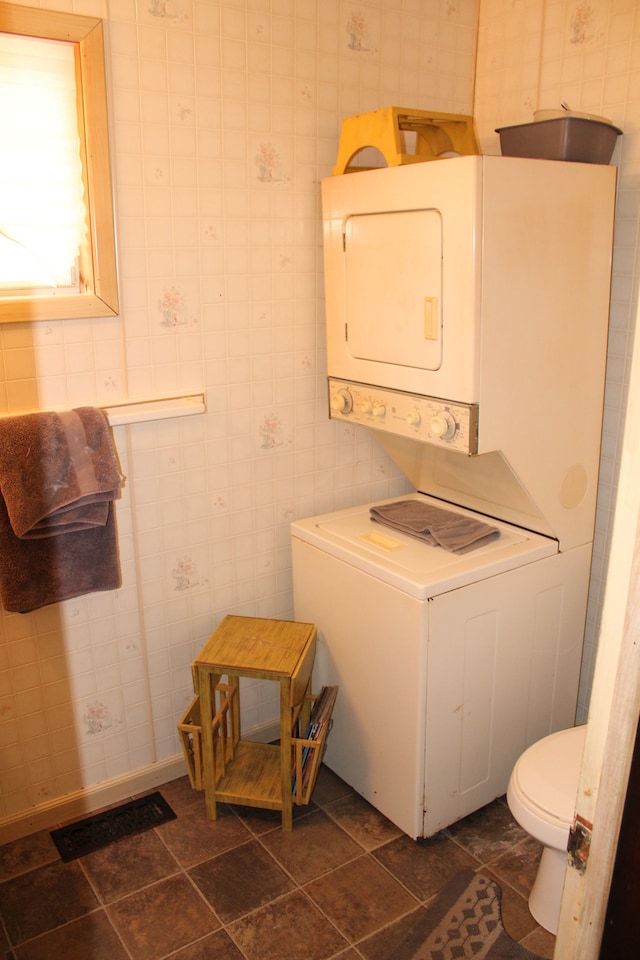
240, 887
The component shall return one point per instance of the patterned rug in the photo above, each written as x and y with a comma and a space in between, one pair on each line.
463, 921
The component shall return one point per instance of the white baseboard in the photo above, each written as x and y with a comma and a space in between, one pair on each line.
84, 802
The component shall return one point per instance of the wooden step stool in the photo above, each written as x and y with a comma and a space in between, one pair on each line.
436, 134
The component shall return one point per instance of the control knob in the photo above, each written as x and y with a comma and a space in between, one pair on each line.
341, 402
413, 418
443, 425
379, 410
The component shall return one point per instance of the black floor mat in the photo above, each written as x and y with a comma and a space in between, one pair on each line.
85, 836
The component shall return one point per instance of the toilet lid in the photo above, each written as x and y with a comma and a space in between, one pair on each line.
549, 771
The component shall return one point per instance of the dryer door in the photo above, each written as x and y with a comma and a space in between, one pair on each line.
393, 287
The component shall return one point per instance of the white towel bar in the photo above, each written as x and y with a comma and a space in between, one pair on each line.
160, 408
143, 410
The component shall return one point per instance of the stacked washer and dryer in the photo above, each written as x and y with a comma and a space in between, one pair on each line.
467, 305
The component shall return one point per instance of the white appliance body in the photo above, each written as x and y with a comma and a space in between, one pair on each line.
448, 666
467, 313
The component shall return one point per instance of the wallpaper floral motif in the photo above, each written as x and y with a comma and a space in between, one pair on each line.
174, 311
177, 11
186, 574
98, 718
584, 24
270, 165
361, 29
272, 433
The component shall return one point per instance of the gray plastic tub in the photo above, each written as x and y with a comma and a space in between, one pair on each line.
565, 138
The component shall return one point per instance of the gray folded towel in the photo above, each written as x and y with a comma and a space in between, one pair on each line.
434, 525
58, 477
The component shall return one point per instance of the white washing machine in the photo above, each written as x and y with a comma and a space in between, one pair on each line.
448, 665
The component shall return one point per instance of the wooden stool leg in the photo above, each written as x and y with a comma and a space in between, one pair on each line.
205, 684
285, 754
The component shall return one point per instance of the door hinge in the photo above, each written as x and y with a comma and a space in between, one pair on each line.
579, 844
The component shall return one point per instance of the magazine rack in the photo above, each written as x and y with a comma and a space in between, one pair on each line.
233, 770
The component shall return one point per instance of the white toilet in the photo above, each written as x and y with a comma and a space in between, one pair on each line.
542, 797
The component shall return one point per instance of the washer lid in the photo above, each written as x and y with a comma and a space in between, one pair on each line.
548, 772
421, 570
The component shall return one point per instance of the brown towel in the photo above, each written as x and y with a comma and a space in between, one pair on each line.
58, 477
434, 525
57, 471
34, 573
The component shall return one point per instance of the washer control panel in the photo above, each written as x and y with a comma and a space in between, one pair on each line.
428, 419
